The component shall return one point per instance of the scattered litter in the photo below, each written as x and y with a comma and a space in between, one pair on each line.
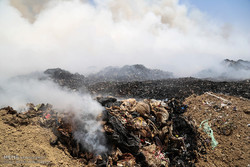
210, 132
224, 100
47, 116
37, 107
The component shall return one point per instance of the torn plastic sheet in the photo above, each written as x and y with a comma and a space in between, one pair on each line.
208, 130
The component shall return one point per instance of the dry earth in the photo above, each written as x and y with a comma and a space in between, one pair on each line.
228, 117
29, 145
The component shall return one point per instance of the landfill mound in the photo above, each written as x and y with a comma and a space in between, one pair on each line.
65, 78
237, 65
227, 70
179, 88
138, 133
127, 73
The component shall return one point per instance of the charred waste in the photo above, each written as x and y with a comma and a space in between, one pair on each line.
179, 88
138, 133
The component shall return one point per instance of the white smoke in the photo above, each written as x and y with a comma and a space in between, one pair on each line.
35, 88
74, 34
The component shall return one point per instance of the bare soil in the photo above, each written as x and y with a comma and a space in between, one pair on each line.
29, 145
228, 117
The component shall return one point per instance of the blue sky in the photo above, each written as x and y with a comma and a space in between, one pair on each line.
236, 12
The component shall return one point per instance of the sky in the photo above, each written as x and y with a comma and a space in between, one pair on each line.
235, 12
183, 37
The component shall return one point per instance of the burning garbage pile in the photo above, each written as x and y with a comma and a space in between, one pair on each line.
153, 131
134, 132
131, 133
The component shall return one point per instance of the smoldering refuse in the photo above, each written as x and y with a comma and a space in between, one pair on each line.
37, 89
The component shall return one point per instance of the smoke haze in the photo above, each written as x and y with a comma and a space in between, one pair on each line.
74, 35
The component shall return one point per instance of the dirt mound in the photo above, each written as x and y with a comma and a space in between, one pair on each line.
23, 142
228, 117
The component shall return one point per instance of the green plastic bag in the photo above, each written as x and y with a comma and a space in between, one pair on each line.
208, 130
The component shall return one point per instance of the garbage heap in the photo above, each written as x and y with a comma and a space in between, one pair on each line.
138, 133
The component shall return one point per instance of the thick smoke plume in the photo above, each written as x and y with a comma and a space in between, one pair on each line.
36, 88
227, 70
74, 34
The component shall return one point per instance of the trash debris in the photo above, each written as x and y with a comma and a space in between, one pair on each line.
9, 110
37, 107
224, 100
145, 132
179, 88
159, 132
210, 132
47, 116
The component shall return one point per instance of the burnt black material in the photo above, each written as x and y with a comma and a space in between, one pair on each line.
171, 88
123, 139
106, 101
